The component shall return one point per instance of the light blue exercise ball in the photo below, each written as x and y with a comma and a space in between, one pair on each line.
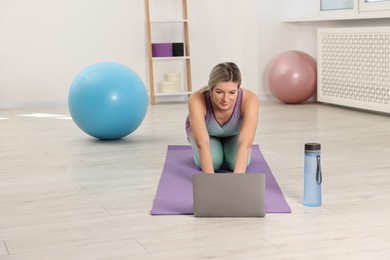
108, 100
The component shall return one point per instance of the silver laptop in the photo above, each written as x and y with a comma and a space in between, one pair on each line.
229, 195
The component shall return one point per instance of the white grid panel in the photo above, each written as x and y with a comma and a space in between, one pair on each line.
354, 67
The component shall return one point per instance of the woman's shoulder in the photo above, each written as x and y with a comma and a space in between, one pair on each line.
197, 99
196, 94
248, 95
249, 100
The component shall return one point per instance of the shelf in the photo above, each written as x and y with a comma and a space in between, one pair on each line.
170, 21
183, 22
171, 58
320, 18
172, 94
339, 15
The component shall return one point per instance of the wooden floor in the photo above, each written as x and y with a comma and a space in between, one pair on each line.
65, 195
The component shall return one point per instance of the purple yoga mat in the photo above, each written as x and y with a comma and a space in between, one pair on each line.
174, 193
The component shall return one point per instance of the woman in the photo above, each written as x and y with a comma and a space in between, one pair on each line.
222, 121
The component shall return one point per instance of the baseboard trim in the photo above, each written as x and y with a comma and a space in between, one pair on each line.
38, 104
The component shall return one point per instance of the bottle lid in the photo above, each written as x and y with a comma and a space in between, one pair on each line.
312, 146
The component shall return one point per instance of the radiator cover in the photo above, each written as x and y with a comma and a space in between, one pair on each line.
354, 67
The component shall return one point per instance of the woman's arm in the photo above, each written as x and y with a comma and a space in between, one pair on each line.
197, 113
250, 112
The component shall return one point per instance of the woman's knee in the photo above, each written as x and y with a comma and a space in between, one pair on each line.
216, 152
216, 149
230, 148
230, 159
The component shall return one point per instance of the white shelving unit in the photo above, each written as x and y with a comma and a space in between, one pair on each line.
153, 60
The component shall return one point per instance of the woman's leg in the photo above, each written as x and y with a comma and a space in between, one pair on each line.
230, 147
216, 150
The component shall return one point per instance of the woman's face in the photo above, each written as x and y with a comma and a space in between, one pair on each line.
224, 95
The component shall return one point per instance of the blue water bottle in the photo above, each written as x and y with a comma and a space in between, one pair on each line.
313, 175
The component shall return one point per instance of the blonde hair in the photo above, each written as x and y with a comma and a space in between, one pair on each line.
223, 72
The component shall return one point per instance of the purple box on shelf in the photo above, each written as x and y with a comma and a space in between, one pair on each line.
162, 49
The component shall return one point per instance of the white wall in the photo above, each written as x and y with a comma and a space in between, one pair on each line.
45, 43
223, 30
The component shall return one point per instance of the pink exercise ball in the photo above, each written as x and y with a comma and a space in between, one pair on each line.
292, 77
